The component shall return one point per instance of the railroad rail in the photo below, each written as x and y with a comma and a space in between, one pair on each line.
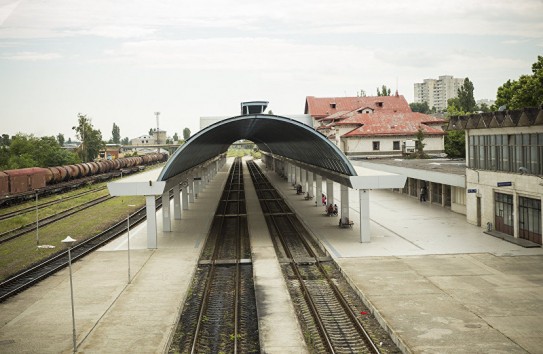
220, 314
331, 319
47, 204
12, 234
35, 274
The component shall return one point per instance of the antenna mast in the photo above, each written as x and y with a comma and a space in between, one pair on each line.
157, 130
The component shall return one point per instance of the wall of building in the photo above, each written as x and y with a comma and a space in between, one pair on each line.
486, 184
364, 145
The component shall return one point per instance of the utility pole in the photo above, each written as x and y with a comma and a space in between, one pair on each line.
157, 130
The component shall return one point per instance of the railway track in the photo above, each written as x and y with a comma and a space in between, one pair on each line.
12, 234
219, 316
30, 276
43, 205
332, 316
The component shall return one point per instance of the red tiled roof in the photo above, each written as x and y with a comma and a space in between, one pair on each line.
320, 107
382, 123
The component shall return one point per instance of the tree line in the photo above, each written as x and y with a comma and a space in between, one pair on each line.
26, 150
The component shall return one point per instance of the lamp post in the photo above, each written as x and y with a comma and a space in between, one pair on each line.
128, 240
37, 222
69, 242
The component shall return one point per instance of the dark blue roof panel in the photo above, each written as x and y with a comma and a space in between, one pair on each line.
273, 134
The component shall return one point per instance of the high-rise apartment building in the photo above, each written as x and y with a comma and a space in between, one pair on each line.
437, 92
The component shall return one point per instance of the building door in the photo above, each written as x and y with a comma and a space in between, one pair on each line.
503, 215
529, 219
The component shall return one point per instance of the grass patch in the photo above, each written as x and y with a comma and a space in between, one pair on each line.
18, 254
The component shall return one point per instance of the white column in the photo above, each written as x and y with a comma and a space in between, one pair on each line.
151, 221
318, 194
289, 172
330, 191
191, 189
166, 217
344, 203
196, 186
303, 179
364, 205
185, 197
297, 176
177, 202
310, 188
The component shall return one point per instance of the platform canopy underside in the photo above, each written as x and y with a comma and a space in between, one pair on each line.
278, 136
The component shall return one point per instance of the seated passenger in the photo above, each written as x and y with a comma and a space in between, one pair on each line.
330, 210
335, 209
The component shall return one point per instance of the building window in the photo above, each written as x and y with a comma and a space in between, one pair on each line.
503, 213
507, 152
529, 219
332, 105
376, 145
395, 145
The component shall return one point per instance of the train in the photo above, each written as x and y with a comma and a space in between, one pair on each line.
25, 180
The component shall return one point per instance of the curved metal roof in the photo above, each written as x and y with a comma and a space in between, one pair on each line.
272, 134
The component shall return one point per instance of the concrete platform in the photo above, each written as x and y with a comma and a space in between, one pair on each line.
438, 284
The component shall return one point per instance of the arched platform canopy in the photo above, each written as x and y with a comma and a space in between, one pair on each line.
280, 137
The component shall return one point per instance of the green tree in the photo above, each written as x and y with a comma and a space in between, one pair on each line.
466, 100
30, 151
362, 93
384, 91
91, 139
270, 112
152, 131
125, 141
453, 108
116, 134
421, 107
60, 139
186, 133
527, 91
455, 144
175, 137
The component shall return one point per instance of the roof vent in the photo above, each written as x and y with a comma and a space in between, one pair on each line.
332, 105
253, 107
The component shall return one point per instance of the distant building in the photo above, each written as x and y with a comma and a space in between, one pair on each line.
436, 93
143, 140
377, 126
485, 101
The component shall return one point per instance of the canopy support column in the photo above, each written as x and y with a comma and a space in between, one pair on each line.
303, 179
191, 189
166, 218
310, 188
185, 196
364, 205
177, 202
344, 203
330, 191
151, 221
318, 195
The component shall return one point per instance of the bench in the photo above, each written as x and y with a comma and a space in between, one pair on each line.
346, 224
308, 197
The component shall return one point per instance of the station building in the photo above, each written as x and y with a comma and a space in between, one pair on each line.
504, 183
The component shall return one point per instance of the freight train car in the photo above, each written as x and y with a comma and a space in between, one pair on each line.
25, 180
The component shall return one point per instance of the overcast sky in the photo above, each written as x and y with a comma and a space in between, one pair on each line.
120, 61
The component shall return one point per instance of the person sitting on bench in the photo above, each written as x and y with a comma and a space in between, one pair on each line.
330, 210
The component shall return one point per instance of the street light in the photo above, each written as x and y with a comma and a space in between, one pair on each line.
37, 222
128, 240
69, 242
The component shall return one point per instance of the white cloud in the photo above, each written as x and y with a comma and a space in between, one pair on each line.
31, 56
